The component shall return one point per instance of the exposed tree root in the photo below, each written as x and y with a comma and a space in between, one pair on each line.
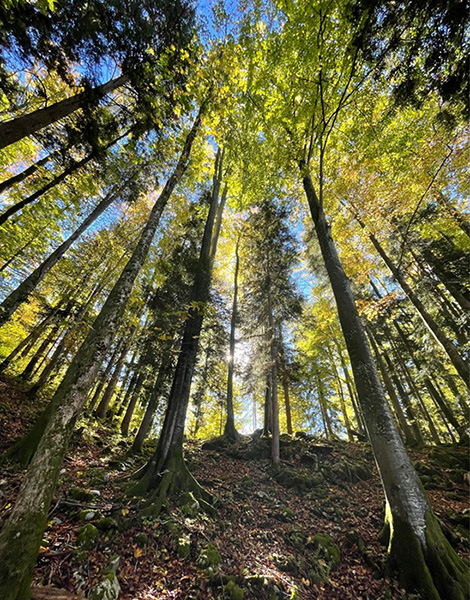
435, 570
171, 482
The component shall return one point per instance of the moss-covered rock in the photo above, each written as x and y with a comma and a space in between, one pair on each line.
291, 479
286, 515
183, 546
209, 558
107, 589
88, 515
106, 523
87, 535
80, 495
233, 592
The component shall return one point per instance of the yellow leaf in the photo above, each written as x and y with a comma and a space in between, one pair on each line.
138, 552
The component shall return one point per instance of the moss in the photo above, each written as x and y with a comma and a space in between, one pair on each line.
189, 505
287, 515
81, 495
438, 573
233, 591
325, 547
107, 523
183, 546
88, 515
209, 557
141, 539
86, 536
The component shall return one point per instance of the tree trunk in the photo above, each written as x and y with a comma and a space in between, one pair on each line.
163, 374
166, 472
29, 516
230, 431
134, 396
267, 423
40, 352
108, 393
403, 423
20, 295
347, 423
285, 387
19, 177
16, 129
72, 168
417, 547
459, 364
273, 350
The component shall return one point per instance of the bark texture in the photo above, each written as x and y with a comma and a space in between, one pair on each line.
417, 547
21, 535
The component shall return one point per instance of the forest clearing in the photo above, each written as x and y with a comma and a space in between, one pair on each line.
234, 299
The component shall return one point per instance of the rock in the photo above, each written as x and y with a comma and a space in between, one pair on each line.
95, 493
209, 557
108, 588
87, 535
106, 477
81, 495
183, 546
88, 515
326, 555
218, 443
57, 521
291, 479
233, 592
107, 523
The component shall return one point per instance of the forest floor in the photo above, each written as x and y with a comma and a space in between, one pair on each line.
307, 530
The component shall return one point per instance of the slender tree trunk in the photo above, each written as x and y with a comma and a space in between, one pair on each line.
29, 516
166, 472
459, 364
339, 383
230, 431
267, 423
446, 410
40, 352
73, 167
163, 374
273, 349
285, 387
351, 392
20, 295
28, 342
447, 278
16, 129
415, 537
19, 177
403, 423
126, 421
108, 393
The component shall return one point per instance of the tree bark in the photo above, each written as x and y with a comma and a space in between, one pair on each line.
29, 516
163, 374
16, 129
273, 350
230, 431
417, 547
19, 177
459, 364
20, 295
166, 472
